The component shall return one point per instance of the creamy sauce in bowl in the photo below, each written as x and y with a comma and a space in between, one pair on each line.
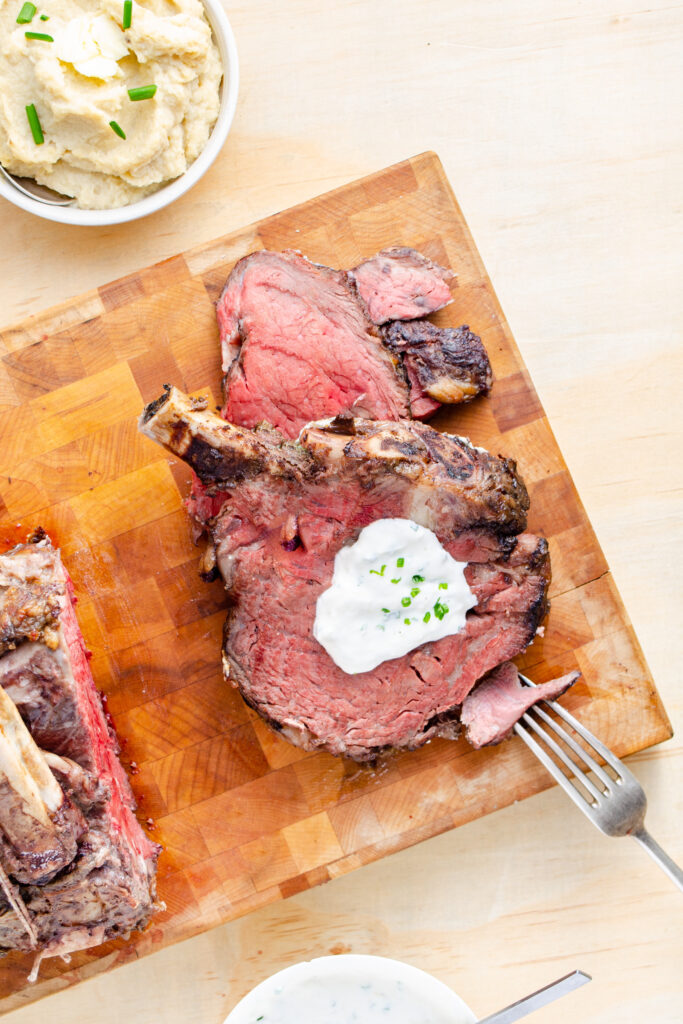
351, 990
394, 588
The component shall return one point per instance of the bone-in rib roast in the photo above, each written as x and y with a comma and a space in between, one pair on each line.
75, 866
284, 511
301, 342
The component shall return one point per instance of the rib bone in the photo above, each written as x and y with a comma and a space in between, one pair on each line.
480, 489
39, 828
218, 452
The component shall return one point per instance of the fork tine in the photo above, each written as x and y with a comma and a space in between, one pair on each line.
621, 811
550, 765
564, 758
605, 753
593, 765
585, 734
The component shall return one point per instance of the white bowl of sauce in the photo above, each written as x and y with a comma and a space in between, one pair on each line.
351, 989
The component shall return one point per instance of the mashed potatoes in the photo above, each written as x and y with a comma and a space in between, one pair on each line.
78, 83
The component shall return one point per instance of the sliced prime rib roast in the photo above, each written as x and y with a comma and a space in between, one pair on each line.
283, 510
401, 284
301, 341
490, 711
75, 866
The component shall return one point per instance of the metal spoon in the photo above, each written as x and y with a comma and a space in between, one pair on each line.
523, 1007
33, 190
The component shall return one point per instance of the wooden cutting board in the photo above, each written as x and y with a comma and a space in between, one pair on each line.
245, 818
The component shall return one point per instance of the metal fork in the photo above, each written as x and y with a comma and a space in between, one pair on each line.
612, 798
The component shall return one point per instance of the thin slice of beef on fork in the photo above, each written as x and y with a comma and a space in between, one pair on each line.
491, 710
93, 870
286, 509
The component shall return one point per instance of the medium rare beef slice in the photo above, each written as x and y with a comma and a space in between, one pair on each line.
443, 364
400, 284
490, 711
297, 346
287, 512
106, 886
282, 672
300, 341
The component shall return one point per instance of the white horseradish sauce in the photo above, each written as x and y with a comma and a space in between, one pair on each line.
366, 990
393, 589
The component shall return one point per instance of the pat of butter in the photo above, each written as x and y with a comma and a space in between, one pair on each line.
93, 44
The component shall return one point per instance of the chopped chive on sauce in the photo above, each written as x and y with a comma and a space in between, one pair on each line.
427, 616
407, 622
376, 572
45, 17
386, 611
34, 123
117, 129
26, 14
440, 610
127, 14
400, 562
415, 591
43, 36
405, 601
397, 581
418, 579
443, 586
143, 92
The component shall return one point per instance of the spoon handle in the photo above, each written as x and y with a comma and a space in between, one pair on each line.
538, 999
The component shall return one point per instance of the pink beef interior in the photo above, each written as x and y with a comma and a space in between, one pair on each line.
101, 758
421, 405
491, 710
401, 284
291, 680
297, 347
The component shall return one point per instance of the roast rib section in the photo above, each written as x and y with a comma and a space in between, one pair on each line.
278, 513
301, 341
296, 340
79, 866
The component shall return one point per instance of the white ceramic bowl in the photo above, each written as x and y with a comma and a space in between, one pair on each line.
225, 41
440, 1003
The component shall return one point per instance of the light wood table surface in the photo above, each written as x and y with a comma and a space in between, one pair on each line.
561, 129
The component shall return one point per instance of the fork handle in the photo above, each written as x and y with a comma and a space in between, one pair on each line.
657, 853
